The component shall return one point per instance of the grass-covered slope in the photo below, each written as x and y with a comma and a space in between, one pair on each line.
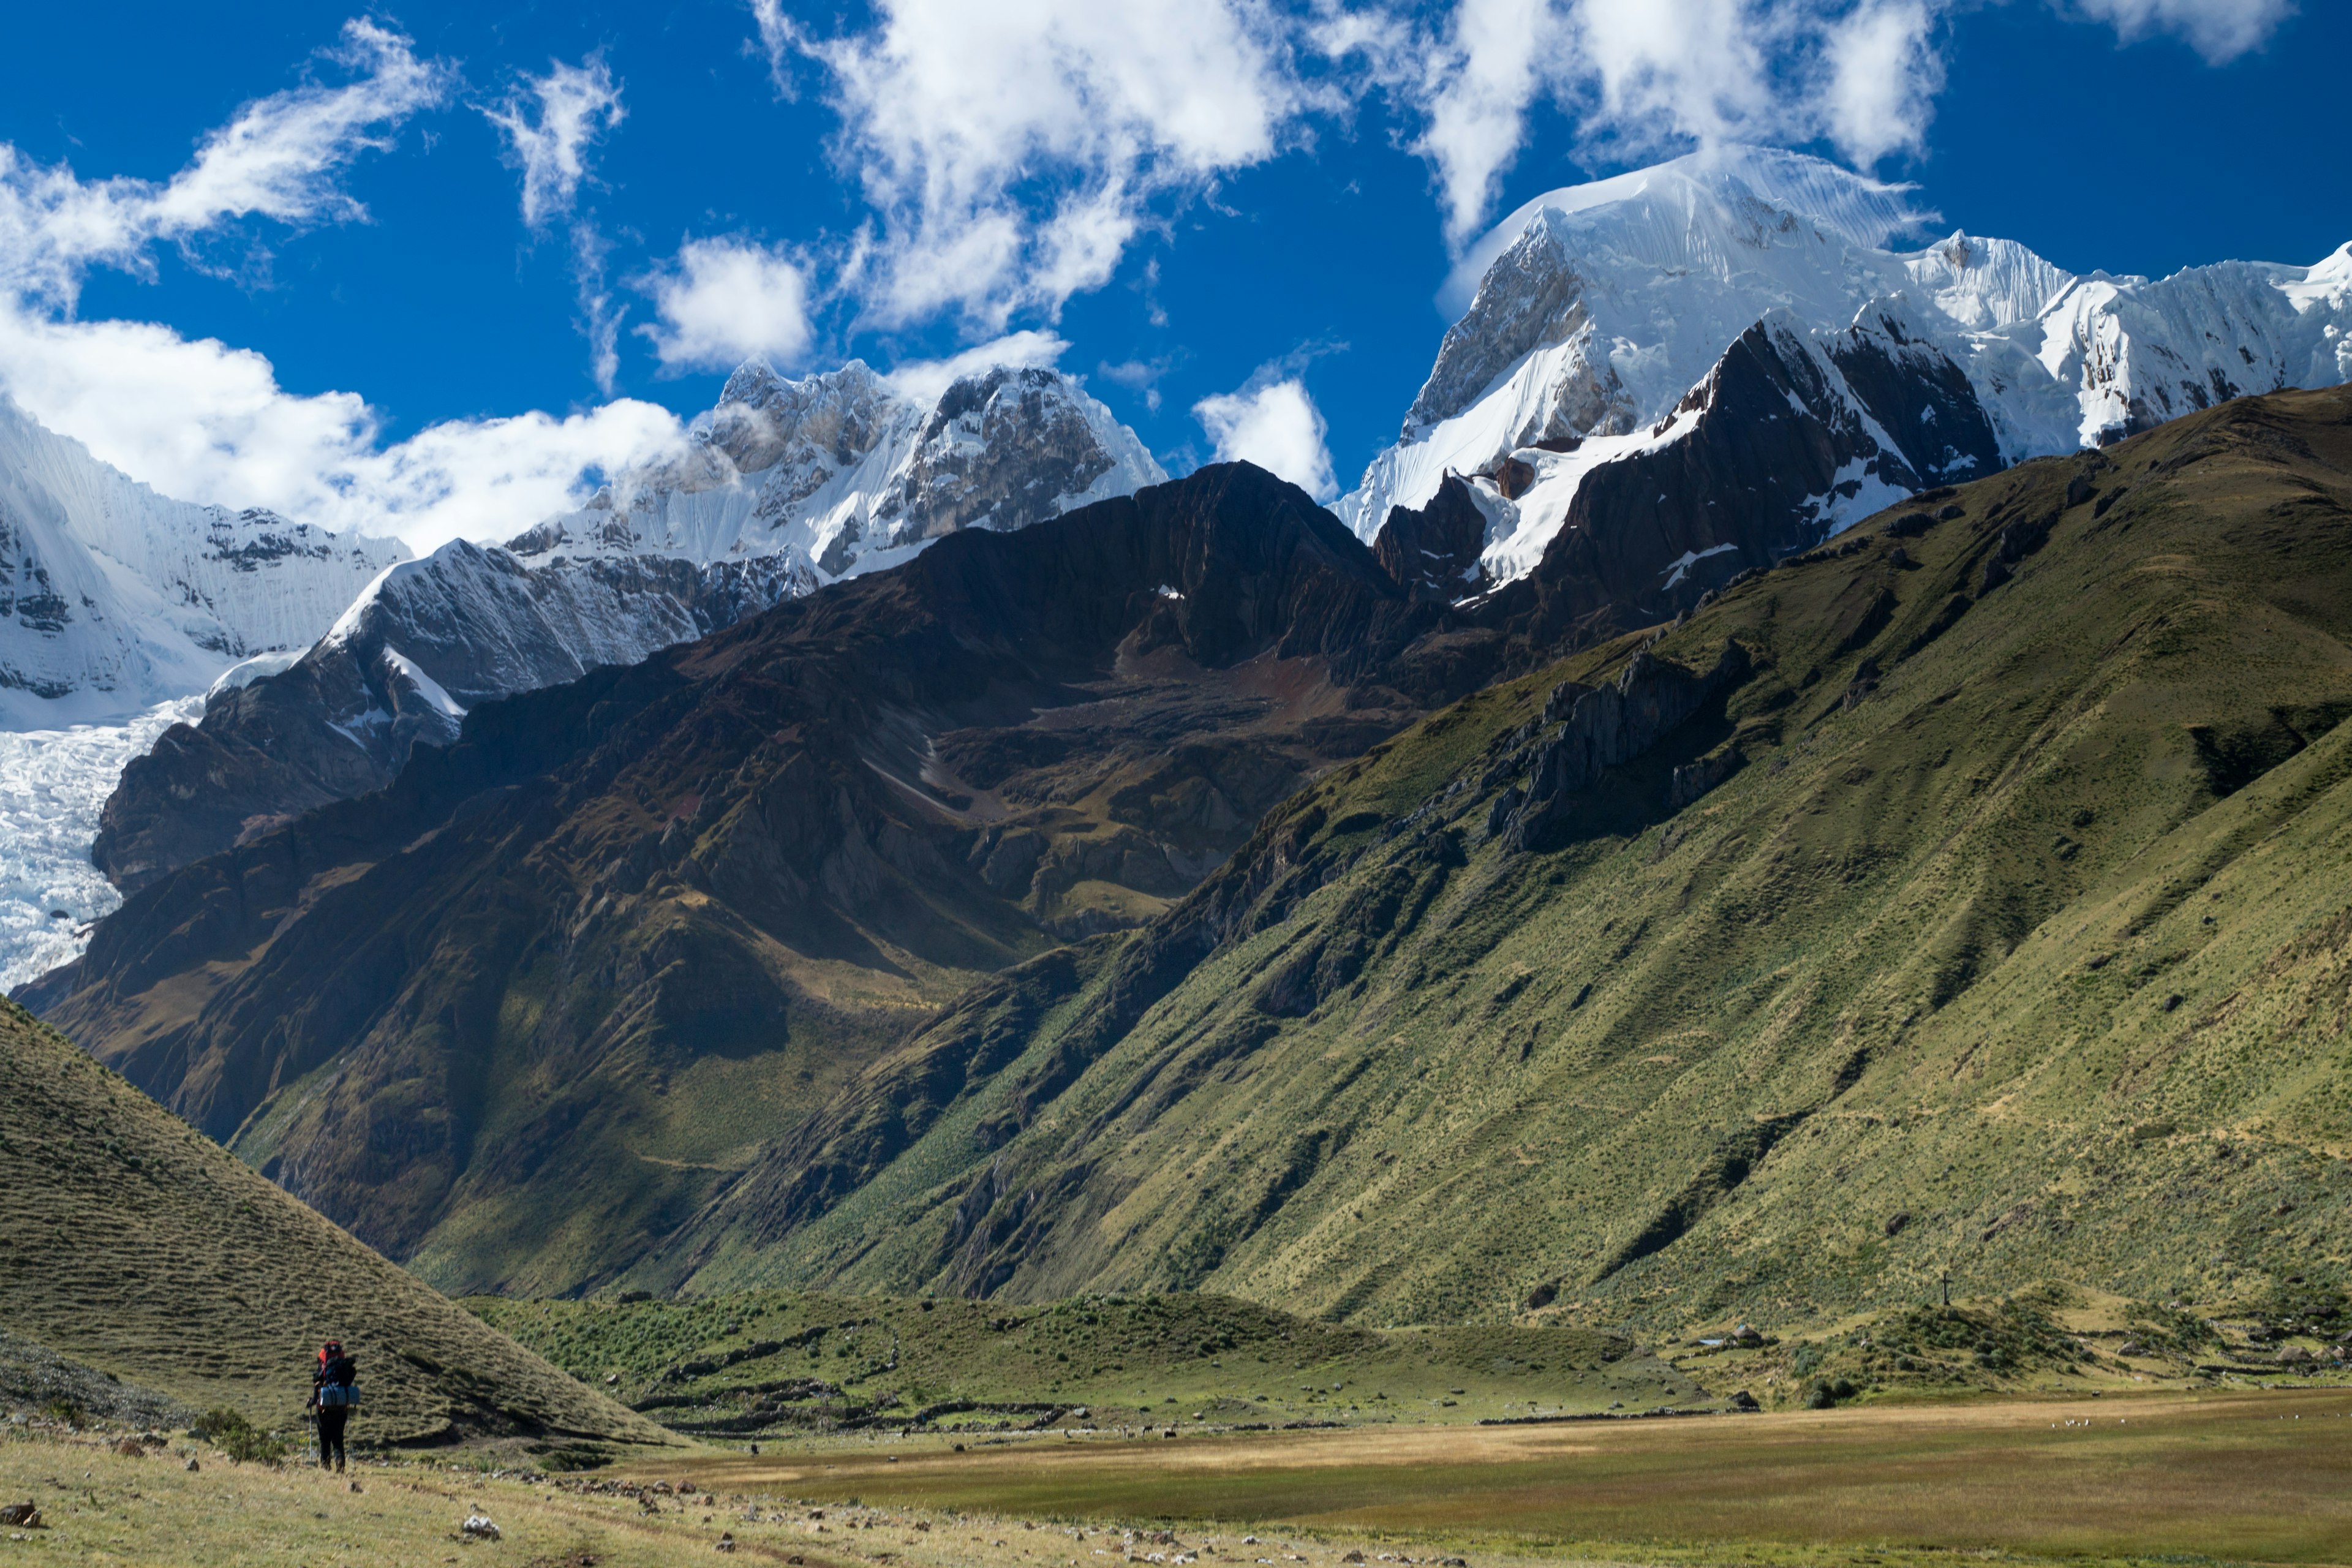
777, 1361
138, 1247
2010, 941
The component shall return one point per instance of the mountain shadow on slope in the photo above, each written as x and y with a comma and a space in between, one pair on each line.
517, 1016
783, 479
1940, 912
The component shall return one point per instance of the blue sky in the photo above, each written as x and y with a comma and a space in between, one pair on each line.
1191, 200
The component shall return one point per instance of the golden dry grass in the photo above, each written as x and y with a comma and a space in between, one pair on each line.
2255, 1477
2258, 1476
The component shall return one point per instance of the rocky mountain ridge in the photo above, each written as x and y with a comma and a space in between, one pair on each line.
1925, 904
786, 485
560, 975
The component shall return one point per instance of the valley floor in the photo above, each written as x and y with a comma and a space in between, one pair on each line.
2255, 1476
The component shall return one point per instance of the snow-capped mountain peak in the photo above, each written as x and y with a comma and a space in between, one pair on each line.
113, 599
850, 472
1600, 311
785, 484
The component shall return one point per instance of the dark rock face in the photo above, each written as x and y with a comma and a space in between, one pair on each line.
1598, 730
1789, 427
1780, 431
1918, 397
1433, 551
436, 637
776, 848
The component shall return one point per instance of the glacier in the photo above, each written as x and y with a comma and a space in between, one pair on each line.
52, 783
118, 608
114, 598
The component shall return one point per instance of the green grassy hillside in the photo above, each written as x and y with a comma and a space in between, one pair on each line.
2014, 942
769, 1362
138, 1248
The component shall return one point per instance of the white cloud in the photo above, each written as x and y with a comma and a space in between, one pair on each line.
925, 380
723, 301
201, 420
1883, 79
1275, 426
205, 422
2221, 30
1476, 94
548, 123
1011, 151
779, 39
1138, 376
1639, 78
278, 159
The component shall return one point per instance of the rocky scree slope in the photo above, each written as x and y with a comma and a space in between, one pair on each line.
518, 1016
1599, 320
1969, 894
783, 486
138, 1247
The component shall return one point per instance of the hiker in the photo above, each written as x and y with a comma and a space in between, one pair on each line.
334, 1391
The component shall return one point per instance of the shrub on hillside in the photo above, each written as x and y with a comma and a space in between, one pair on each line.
228, 1430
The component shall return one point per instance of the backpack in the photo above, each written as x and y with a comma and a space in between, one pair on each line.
338, 1383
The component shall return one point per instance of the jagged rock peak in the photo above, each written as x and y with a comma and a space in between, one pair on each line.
852, 471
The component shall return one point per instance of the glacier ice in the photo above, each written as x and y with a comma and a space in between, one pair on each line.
52, 783
118, 608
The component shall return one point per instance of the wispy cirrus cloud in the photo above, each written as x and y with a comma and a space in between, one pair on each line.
989, 200
279, 158
547, 125
2221, 30
1638, 78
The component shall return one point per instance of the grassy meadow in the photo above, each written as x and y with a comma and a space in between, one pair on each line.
759, 1362
2241, 1476
2254, 1476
